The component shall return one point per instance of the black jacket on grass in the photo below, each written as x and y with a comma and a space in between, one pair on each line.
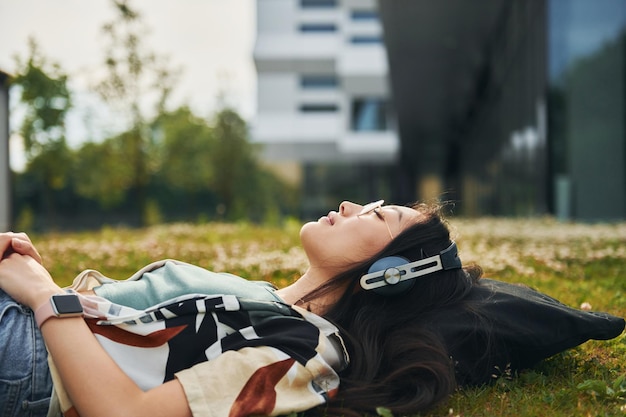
507, 327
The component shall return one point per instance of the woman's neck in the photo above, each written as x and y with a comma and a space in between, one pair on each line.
296, 293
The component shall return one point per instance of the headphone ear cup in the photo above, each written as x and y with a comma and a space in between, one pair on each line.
391, 289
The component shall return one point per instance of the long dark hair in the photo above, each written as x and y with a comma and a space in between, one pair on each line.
396, 362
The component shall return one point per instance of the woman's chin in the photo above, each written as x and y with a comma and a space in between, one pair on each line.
306, 228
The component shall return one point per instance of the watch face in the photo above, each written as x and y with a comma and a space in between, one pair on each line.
67, 304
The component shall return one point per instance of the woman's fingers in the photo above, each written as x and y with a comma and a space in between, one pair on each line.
25, 247
18, 242
6, 243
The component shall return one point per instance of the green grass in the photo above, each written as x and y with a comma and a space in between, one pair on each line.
575, 263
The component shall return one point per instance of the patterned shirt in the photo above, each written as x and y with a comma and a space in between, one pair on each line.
234, 356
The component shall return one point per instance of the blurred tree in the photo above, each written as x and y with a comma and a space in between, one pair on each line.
136, 80
46, 99
231, 159
186, 146
185, 142
101, 172
245, 189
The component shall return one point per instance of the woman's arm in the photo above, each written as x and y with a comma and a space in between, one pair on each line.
94, 382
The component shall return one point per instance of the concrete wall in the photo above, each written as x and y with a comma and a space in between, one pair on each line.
284, 54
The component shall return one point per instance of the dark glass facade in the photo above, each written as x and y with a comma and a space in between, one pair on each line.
502, 141
511, 107
586, 103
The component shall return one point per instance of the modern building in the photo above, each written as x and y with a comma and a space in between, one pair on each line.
324, 111
5, 170
515, 107
505, 107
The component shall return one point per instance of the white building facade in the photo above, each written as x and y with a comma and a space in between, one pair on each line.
323, 93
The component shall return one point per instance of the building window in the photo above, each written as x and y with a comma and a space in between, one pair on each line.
366, 39
319, 82
319, 108
369, 114
318, 4
364, 15
318, 27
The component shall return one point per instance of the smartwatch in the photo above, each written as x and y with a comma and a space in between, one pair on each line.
60, 306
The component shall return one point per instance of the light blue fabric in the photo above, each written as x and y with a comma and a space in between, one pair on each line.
25, 383
175, 279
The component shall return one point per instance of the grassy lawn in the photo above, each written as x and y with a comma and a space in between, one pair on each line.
575, 263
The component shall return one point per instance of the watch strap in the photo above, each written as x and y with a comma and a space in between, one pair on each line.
47, 310
44, 312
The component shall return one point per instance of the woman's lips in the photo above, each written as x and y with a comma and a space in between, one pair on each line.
330, 217
326, 219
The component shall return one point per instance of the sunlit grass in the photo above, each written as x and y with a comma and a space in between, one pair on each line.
244, 249
577, 263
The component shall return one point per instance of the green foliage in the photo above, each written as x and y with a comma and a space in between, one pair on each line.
134, 75
244, 188
102, 173
46, 97
193, 170
232, 162
51, 166
25, 220
384, 412
605, 390
185, 146
152, 215
134, 72
166, 165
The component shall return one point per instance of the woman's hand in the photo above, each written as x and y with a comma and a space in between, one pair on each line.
71, 344
18, 242
21, 274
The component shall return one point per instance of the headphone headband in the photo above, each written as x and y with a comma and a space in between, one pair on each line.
394, 269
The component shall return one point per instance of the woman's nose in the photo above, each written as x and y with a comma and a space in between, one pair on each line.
348, 208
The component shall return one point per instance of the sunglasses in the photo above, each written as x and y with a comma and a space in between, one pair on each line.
376, 207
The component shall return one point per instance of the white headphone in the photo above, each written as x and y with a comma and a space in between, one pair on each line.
393, 275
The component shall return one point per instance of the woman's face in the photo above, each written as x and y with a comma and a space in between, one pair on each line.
347, 236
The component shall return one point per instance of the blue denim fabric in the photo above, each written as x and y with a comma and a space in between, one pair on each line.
25, 383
